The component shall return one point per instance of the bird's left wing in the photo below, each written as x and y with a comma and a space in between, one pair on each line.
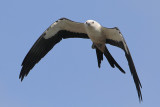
115, 38
61, 29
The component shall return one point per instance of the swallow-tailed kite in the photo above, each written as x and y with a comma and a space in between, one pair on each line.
99, 35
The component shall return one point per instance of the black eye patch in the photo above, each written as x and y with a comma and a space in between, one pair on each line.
92, 22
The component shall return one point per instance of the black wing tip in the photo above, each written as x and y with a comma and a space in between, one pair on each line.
140, 95
24, 72
21, 75
139, 91
135, 76
138, 86
140, 98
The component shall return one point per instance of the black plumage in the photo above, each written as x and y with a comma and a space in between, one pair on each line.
42, 46
122, 44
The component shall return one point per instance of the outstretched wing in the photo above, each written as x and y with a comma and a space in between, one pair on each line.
115, 38
61, 29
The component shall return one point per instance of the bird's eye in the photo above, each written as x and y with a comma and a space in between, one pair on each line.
92, 22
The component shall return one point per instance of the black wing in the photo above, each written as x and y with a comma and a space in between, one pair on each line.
115, 38
43, 45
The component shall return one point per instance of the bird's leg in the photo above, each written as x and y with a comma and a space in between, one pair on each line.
101, 47
98, 46
93, 46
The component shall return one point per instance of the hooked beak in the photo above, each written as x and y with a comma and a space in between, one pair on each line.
87, 23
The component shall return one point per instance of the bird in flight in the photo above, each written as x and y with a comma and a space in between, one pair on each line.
99, 35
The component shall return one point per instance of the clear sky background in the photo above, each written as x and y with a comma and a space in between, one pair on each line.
69, 76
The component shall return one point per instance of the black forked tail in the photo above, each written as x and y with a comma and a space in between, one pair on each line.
111, 60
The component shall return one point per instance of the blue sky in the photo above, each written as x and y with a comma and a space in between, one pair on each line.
69, 76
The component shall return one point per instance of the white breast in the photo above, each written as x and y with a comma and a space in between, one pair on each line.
95, 35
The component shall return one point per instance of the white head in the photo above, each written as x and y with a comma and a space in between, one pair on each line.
92, 24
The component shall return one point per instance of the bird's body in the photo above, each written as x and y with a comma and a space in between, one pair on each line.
99, 35
94, 31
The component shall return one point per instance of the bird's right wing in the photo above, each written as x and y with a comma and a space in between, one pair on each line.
61, 29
